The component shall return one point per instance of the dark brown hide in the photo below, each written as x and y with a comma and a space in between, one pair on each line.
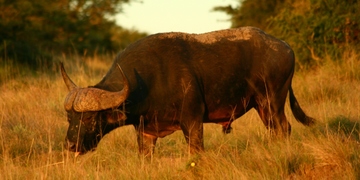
179, 81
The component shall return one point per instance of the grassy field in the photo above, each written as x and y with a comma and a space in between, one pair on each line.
33, 126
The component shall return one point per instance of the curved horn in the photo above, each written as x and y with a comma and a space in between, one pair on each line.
95, 99
69, 83
125, 80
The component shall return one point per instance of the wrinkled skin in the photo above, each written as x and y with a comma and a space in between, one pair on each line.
178, 81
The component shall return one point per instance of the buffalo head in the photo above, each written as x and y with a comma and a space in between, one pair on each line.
91, 112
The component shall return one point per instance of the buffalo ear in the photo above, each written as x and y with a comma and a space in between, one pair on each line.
115, 116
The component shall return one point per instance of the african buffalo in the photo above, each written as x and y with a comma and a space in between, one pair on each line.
178, 81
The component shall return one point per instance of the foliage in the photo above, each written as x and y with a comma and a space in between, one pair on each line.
33, 30
314, 28
252, 12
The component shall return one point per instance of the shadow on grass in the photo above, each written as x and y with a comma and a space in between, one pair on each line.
348, 129
344, 126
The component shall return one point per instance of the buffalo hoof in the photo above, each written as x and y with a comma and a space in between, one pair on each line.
227, 130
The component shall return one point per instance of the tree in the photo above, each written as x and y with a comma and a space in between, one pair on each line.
317, 29
35, 30
314, 28
252, 12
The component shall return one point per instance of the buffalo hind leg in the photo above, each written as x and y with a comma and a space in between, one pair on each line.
274, 119
270, 106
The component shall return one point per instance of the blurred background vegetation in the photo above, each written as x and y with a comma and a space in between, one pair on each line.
33, 32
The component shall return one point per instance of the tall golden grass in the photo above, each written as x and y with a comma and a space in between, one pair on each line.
33, 127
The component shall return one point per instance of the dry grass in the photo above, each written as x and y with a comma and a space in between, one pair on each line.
33, 126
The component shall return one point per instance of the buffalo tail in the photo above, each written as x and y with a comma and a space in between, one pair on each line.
299, 114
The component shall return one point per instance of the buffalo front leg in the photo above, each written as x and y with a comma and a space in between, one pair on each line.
192, 115
146, 142
193, 133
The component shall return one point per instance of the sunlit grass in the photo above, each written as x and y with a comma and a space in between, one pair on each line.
33, 127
